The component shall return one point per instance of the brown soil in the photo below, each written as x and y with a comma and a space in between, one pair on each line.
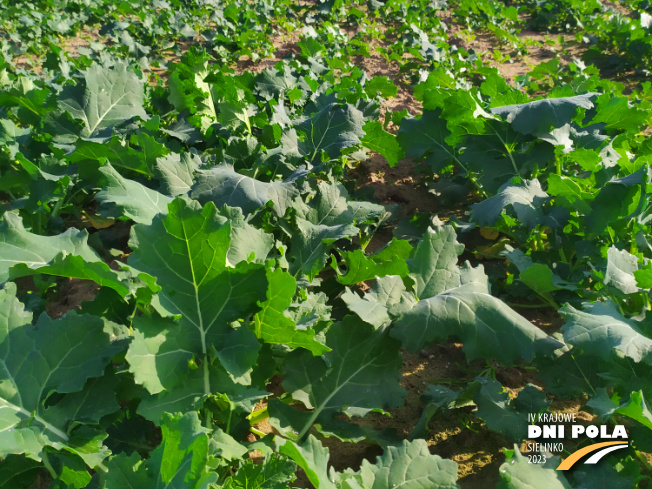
285, 45
540, 47
69, 295
397, 185
546, 318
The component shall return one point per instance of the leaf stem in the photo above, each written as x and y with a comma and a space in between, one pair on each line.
48, 466
643, 460
228, 422
208, 418
509, 151
257, 432
58, 205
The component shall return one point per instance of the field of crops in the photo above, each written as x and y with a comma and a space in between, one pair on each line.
340, 244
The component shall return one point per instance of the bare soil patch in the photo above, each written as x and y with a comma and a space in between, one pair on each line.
285, 45
69, 295
540, 47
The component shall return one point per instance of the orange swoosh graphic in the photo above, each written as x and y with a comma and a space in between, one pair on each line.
575, 456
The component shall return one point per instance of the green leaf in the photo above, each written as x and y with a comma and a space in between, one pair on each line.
518, 473
617, 113
310, 310
87, 443
89, 405
577, 197
62, 355
125, 471
105, 100
186, 251
181, 460
434, 264
380, 85
602, 404
540, 116
330, 206
270, 323
590, 159
189, 91
333, 129
224, 446
600, 329
275, 473
327, 218
12, 314
636, 408
222, 185
462, 112
502, 414
310, 47
177, 172
621, 266
539, 277
132, 199
12, 136
374, 306
500, 154
19, 472
380, 141
66, 255
191, 395
427, 136
437, 397
614, 202
117, 151
409, 465
358, 375
486, 325
236, 114
388, 261
591, 476
370, 311
456, 302
272, 83
73, 471
566, 374
28, 97
247, 242
527, 200
311, 456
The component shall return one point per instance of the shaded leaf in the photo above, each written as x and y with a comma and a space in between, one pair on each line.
132, 199
541, 115
600, 329
527, 200
66, 255
61, 356
223, 185
359, 374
